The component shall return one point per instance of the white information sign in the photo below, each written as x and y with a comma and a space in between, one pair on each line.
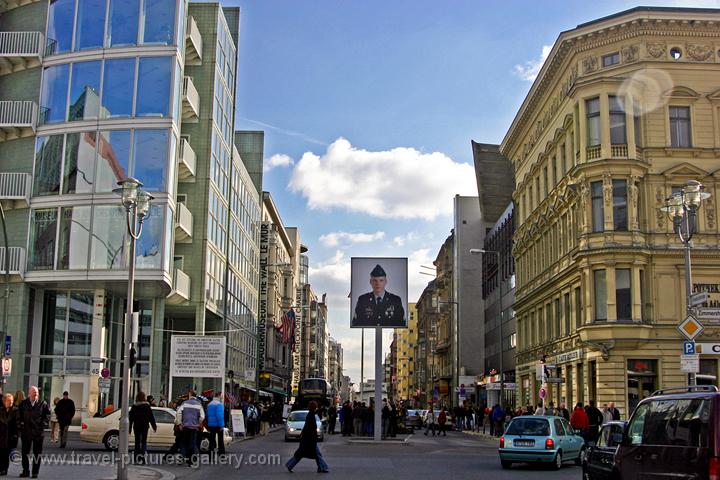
690, 363
238, 421
197, 356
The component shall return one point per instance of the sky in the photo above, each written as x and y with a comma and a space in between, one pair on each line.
369, 107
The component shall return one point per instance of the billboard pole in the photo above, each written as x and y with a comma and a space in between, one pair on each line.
378, 384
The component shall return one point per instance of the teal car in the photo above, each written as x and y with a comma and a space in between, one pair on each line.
540, 439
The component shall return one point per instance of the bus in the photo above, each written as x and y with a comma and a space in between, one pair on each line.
317, 389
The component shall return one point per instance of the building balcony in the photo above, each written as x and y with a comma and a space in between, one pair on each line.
6, 5
17, 119
20, 50
193, 43
17, 263
190, 101
186, 162
183, 224
180, 288
15, 190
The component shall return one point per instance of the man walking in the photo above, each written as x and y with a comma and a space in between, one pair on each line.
595, 419
64, 411
614, 411
216, 424
34, 418
189, 417
430, 421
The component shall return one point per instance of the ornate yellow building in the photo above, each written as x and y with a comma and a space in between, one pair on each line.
406, 339
625, 110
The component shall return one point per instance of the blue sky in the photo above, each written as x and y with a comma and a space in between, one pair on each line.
369, 108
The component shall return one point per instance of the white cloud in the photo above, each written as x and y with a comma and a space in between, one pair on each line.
333, 239
401, 240
532, 67
398, 183
277, 160
416, 280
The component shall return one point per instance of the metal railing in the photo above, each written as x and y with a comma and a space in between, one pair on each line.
14, 186
17, 260
21, 44
15, 113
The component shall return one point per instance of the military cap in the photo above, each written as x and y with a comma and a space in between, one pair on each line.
378, 272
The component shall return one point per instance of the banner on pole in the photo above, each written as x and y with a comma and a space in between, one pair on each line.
197, 356
379, 291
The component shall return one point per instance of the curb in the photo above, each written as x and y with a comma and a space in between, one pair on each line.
136, 473
251, 437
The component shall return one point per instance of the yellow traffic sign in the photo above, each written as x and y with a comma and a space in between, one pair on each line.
690, 327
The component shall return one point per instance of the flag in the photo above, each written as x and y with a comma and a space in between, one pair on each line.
287, 326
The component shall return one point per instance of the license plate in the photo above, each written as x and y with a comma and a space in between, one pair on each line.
524, 443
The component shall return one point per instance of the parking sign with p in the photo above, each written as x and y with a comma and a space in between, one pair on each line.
688, 348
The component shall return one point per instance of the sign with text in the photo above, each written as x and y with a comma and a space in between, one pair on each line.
708, 348
379, 291
197, 356
690, 363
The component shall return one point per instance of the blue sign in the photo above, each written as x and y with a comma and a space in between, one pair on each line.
7, 345
689, 348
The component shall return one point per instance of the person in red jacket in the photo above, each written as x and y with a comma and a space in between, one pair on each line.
579, 420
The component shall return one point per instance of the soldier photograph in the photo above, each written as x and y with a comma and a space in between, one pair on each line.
379, 307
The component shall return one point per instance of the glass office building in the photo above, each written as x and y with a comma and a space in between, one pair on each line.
92, 92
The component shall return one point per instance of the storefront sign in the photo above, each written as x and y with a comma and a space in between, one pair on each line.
197, 356
708, 348
569, 356
712, 289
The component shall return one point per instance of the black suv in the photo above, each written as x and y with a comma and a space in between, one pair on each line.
673, 434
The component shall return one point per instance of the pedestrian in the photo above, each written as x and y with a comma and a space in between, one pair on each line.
33, 419
385, 417
189, 418
309, 443
151, 401
607, 416
54, 427
479, 418
550, 411
563, 412
264, 420
347, 419
579, 421
595, 418
459, 413
358, 414
216, 424
540, 410
430, 421
8, 431
252, 417
19, 397
65, 411
370, 419
614, 411
441, 420
332, 418
498, 419
393, 419
142, 418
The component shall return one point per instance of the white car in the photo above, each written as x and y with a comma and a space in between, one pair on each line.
106, 430
296, 422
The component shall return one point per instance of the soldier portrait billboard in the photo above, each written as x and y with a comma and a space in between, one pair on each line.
379, 290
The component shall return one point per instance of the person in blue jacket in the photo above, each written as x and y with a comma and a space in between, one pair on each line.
216, 423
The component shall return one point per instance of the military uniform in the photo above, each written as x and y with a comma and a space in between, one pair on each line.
371, 311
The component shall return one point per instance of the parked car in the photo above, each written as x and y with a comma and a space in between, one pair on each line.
599, 457
413, 420
296, 422
540, 439
674, 433
105, 430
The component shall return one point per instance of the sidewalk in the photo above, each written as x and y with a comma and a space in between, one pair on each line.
250, 437
95, 472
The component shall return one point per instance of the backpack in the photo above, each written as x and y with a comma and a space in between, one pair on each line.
442, 418
252, 413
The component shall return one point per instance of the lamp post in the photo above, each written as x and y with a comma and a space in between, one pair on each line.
480, 251
137, 205
682, 208
6, 297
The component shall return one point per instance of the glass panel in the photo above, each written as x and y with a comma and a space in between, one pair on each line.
54, 317
109, 238
151, 158
617, 121
48, 158
598, 211
42, 239
159, 16
85, 91
169, 229
80, 325
153, 90
148, 248
53, 97
79, 162
118, 84
60, 26
123, 25
144, 337
623, 294
176, 100
74, 240
180, 40
600, 295
113, 159
592, 107
90, 24
620, 213
680, 127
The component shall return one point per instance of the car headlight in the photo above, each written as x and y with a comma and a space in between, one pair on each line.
292, 429
318, 430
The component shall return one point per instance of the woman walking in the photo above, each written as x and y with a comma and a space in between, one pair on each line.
141, 417
308, 443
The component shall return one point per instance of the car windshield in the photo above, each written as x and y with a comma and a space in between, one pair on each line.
529, 426
300, 416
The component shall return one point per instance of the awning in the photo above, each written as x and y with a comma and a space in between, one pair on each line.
276, 391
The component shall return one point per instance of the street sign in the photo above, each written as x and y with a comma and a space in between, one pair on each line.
554, 380
104, 384
8, 341
710, 314
699, 298
690, 363
105, 373
6, 366
688, 348
542, 393
690, 328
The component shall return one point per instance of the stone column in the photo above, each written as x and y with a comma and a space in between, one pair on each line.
608, 203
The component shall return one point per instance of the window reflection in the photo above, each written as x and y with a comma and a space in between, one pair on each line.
123, 25
79, 162
108, 239
151, 158
53, 98
118, 83
54, 318
79, 327
153, 90
73, 244
90, 24
42, 239
113, 159
60, 26
48, 158
148, 252
159, 16
85, 91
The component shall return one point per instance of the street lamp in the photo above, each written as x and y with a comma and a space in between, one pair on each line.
481, 251
682, 208
137, 205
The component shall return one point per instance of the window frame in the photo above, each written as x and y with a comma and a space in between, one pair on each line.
675, 143
614, 58
593, 118
600, 295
